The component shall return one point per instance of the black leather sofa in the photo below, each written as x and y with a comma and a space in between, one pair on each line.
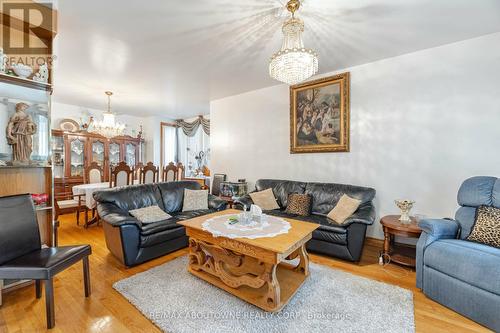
133, 242
342, 241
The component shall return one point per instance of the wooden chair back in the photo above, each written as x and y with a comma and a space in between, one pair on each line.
93, 174
120, 175
170, 173
181, 171
137, 171
149, 174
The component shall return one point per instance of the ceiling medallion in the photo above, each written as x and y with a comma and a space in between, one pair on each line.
293, 63
108, 127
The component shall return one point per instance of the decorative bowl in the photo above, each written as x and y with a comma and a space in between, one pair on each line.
405, 205
22, 71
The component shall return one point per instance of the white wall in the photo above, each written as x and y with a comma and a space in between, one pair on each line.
151, 125
421, 123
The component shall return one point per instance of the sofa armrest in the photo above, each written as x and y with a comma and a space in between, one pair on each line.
432, 230
216, 203
439, 228
240, 202
115, 216
365, 214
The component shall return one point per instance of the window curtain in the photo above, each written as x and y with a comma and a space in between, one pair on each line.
170, 145
190, 144
190, 128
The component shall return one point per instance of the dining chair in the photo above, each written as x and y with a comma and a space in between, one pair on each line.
22, 256
181, 171
93, 174
120, 175
149, 174
218, 179
170, 173
137, 171
65, 202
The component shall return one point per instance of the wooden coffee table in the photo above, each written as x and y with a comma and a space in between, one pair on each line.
254, 270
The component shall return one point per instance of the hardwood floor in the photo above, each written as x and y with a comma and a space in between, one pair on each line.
108, 311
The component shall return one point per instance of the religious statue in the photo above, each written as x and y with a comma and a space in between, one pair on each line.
19, 134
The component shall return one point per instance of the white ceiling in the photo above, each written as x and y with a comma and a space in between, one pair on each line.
171, 57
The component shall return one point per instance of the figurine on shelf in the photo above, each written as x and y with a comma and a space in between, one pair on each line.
86, 125
139, 135
42, 75
19, 132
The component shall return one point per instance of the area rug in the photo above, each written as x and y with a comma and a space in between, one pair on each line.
329, 301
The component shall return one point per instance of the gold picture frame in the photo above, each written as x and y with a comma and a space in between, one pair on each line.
319, 115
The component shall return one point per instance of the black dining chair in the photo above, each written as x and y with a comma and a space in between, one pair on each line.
22, 256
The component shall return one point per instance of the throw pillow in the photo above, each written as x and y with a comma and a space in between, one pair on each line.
149, 214
486, 228
344, 208
195, 200
299, 204
265, 199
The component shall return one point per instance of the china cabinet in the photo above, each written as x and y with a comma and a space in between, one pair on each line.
83, 148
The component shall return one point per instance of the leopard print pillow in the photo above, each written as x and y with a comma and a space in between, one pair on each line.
486, 228
299, 204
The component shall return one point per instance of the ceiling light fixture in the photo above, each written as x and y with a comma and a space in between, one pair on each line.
293, 63
108, 127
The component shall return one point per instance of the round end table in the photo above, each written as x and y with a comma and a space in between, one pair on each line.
400, 253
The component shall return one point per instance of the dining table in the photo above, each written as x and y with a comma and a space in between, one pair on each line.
88, 194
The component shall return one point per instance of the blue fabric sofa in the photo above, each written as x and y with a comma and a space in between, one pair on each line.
462, 275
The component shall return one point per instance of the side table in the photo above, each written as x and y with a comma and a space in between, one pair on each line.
400, 253
229, 200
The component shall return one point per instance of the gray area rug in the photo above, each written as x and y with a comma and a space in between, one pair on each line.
329, 301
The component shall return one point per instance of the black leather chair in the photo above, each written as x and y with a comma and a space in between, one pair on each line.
343, 241
22, 256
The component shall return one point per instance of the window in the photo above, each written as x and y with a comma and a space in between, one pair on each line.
168, 143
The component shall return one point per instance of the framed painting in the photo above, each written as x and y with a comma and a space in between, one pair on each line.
319, 115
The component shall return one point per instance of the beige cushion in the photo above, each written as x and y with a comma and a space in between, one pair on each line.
344, 209
265, 199
195, 200
149, 214
68, 203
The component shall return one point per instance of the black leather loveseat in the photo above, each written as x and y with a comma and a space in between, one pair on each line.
133, 242
343, 241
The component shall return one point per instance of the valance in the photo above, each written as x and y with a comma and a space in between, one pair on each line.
190, 128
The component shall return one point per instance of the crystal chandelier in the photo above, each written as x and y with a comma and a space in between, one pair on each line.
293, 63
108, 127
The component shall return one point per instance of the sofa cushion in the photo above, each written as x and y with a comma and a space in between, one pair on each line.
193, 213
326, 196
149, 214
131, 197
265, 199
195, 200
478, 191
322, 220
486, 229
172, 194
162, 236
330, 237
344, 209
281, 189
151, 228
472, 263
299, 204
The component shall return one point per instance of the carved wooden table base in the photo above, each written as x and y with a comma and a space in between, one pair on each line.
247, 276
